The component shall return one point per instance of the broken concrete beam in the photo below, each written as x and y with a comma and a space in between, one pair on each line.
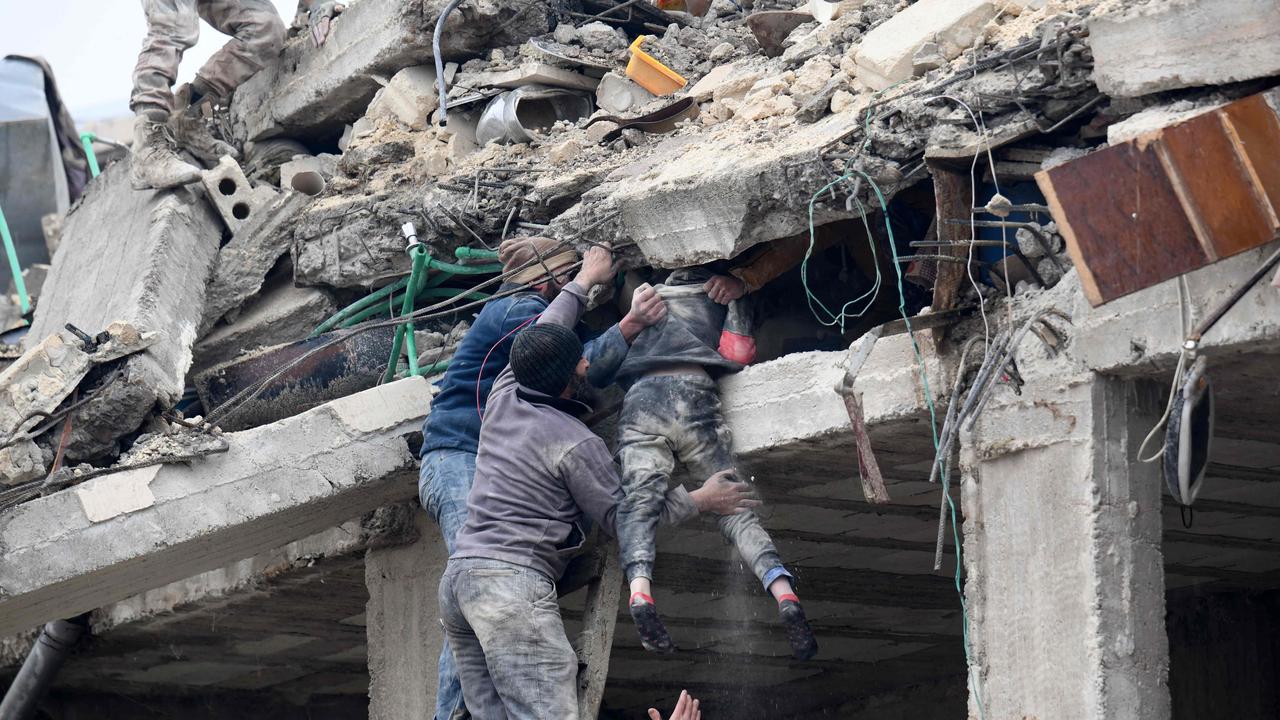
341, 241
280, 313
1170, 201
142, 258
529, 74
243, 263
236, 200
886, 54
37, 383
118, 535
1144, 48
697, 202
334, 370
312, 92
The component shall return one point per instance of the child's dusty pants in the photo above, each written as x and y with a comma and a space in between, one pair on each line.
665, 418
173, 26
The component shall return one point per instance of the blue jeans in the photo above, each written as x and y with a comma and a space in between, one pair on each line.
503, 621
443, 485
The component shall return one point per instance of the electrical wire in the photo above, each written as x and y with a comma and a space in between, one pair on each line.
981, 129
933, 427
1178, 373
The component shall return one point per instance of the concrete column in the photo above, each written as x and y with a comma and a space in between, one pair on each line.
403, 625
1062, 528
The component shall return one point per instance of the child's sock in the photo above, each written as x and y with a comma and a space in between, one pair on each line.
653, 634
803, 644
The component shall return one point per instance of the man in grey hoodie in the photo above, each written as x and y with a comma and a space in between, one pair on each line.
541, 476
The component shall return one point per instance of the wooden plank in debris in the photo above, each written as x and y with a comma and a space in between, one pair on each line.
599, 620
1122, 220
1213, 183
1256, 129
1170, 201
953, 192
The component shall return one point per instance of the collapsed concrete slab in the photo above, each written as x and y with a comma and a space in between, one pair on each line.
886, 54
138, 257
690, 203
121, 534
311, 92
1144, 48
244, 262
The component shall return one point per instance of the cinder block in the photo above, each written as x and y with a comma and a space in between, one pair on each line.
236, 200
885, 55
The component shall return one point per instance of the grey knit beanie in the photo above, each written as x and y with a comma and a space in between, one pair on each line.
543, 357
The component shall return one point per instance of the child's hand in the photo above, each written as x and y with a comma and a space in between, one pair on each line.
724, 289
686, 709
597, 267
722, 494
647, 309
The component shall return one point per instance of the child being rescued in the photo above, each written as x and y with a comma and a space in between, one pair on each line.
672, 412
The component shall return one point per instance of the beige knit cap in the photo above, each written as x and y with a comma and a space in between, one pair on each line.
545, 254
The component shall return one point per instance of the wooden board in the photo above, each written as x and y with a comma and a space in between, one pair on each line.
953, 197
1171, 201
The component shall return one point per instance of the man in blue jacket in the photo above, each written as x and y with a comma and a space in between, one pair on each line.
451, 433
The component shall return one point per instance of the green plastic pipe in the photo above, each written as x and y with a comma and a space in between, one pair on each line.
14, 267
434, 368
470, 253
364, 302
404, 331
464, 269
86, 140
429, 292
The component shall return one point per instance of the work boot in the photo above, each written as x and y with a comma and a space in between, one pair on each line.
191, 131
803, 644
155, 163
193, 136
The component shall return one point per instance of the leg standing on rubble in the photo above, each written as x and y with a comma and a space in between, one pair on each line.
173, 26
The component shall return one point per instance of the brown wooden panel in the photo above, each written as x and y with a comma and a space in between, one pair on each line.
1258, 131
1215, 186
953, 198
1122, 220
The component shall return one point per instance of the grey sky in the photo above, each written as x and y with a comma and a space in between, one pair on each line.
93, 45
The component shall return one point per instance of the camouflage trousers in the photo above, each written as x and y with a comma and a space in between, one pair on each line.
257, 35
670, 417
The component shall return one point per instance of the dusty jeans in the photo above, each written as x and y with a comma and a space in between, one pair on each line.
503, 622
670, 417
257, 34
443, 485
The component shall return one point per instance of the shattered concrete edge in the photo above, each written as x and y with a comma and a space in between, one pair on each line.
244, 262
310, 91
73, 551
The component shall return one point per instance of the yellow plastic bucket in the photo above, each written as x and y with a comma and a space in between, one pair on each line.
650, 74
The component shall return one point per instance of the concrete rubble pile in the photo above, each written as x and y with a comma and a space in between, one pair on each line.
193, 326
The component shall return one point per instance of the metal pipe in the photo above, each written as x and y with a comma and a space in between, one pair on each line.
52, 647
441, 85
